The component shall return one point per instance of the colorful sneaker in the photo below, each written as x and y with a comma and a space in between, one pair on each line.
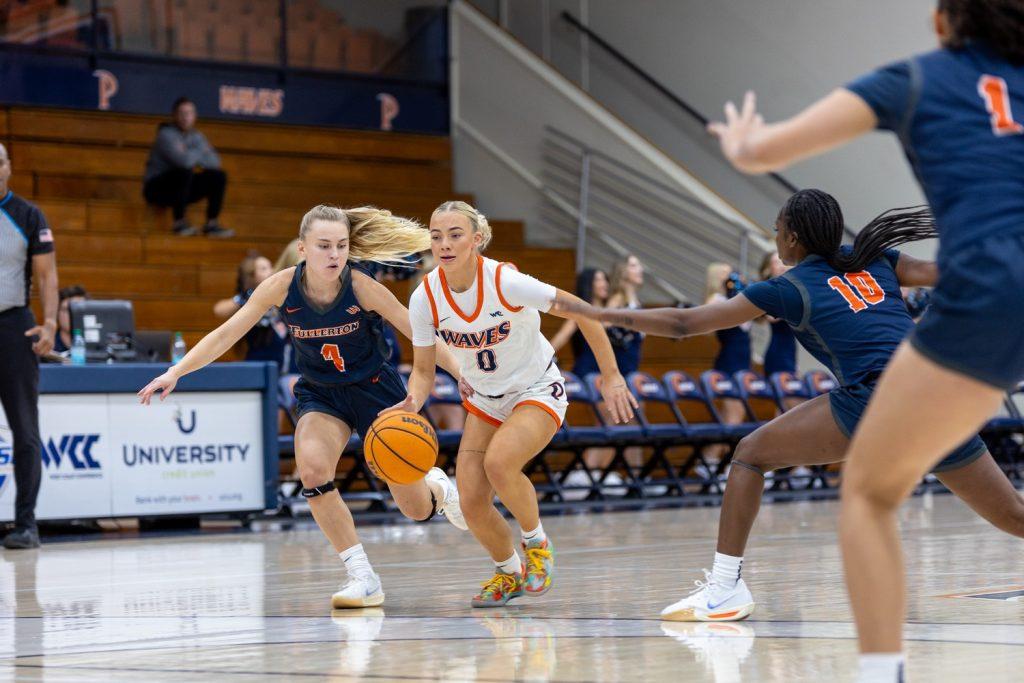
449, 506
499, 590
708, 602
359, 591
540, 566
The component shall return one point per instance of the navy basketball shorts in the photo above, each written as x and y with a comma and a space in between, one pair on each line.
848, 404
975, 323
355, 404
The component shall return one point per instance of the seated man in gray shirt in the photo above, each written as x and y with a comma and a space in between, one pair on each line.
183, 168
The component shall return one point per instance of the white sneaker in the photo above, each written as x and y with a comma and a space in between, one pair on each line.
359, 591
449, 507
708, 602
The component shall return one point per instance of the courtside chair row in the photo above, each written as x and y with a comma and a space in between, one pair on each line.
677, 422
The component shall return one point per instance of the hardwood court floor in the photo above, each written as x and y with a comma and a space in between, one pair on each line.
254, 606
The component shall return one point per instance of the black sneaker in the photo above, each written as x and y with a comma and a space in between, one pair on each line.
22, 539
183, 229
214, 230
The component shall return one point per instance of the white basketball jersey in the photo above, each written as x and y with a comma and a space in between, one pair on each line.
499, 346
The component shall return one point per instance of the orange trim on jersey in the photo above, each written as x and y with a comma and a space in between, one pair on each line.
473, 410
479, 292
430, 299
497, 286
543, 406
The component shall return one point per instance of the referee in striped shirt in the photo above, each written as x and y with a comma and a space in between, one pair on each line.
26, 250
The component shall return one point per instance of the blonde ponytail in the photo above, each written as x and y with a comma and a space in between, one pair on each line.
373, 234
476, 219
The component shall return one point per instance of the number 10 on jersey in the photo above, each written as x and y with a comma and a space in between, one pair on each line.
866, 286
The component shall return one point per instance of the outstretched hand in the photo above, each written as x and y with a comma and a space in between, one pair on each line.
735, 134
618, 399
165, 384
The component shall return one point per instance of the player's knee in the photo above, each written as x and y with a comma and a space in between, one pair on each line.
498, 471
314, 473
871, 492
748, 453
417, 509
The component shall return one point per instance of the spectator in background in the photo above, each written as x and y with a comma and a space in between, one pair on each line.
68, 295
592, 286
183, 168
26, 254
627, 279
781, 353
268, 338
723, 282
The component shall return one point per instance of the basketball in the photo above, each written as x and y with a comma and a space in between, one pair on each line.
400, 447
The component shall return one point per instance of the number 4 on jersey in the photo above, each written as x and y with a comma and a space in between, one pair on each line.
867, 286
997, 101
332, 353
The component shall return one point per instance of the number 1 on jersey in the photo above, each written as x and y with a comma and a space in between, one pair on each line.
332, 353
997, 101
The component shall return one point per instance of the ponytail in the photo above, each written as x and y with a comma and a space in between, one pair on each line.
885, 231
373, 234
817, 220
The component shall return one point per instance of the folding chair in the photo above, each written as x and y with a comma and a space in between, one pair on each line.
757, 394
662, 435
683, 390
819, 382
788, 386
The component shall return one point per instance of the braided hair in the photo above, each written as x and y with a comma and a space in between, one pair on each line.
997, 23
817, 220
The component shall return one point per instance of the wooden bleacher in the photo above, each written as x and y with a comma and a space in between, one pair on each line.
84, 170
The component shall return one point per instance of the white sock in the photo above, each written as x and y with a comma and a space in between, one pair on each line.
512, 565
880, 667
535, 535
726, 570
356, 561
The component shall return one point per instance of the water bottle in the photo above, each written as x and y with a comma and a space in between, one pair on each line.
178, 349
78, 349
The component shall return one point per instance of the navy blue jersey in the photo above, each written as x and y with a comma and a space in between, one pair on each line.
850, 322
960, 117
342, 344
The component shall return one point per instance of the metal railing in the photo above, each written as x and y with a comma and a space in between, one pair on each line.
662, 89
674, 233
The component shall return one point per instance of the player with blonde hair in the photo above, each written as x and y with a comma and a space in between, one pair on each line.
488, 314
333, 310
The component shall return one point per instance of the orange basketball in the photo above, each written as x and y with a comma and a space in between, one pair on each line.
400, 447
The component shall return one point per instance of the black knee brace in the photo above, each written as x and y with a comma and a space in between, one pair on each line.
433, 509
318, 490
747, 465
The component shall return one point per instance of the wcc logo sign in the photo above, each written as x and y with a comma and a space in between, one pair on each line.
71, 451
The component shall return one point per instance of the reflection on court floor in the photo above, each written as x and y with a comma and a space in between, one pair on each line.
255, 606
